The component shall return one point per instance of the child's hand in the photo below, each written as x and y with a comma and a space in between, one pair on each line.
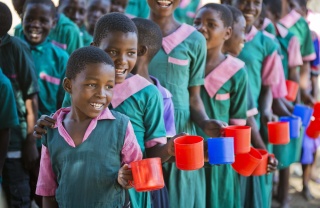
212, 127
272, 164
170, 143
124, 176
268, 116
43, 122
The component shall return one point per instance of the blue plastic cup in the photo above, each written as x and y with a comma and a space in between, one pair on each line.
221, 150
294, 126
304, 112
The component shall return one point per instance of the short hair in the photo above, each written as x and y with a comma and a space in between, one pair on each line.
150, 35
113, 22
84, 56
48, 3
5, 19
236, 13
224, 12
274, 6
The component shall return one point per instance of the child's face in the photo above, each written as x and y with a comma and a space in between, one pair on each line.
118, 5
251, 10
163, 7
122, 48
235, 44
96, 9
37, 23
92, 89
75, 10
209, 23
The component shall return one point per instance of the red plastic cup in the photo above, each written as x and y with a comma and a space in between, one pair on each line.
293, 89
316, 110
246, 163
279, 132
147, 174
262, 168
189, 152
313, 130
242, 138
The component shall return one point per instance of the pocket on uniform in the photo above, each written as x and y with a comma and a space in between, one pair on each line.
178, 71
223, 103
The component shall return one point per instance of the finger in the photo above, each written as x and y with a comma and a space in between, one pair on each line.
39, 130
36, 135
45, 123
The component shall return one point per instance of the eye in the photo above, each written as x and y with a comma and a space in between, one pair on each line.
210, 24
112, 52
91, 85
109, 87
131, 53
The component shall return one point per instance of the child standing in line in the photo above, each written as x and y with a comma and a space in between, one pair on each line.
96, 9
222, 94
179, 66
119, 5
264, 65
84, 157
17, 64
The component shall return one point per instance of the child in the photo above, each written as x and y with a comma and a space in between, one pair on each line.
264, 65
8, 118
76, 11
65, 34
179, 66
76, 144
222, 95
149, 43
119, 5
16, 63
96, 9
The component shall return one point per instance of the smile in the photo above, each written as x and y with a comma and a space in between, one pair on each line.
248, 15
120, 71
164, 3
97, 106
34, 33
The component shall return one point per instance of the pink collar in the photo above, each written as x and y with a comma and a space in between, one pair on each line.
251, 34
282, 31
266, 22
221, 74
128, 88
290, 19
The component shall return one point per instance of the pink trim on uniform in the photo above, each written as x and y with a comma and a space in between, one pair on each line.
283, 32
49, 78
294, 53
237, 121
251, 34
290, 19
225, 96
154, 142
270, 69
129, 87
266, 22
173, 40
60, 45
269, 35
191, 14
221, 74
184, 3
12, 76
252, 112
310, 57
280, 90
178, 61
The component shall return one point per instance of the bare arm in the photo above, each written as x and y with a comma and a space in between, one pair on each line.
304, 83
265, 103
49, 202
256, 138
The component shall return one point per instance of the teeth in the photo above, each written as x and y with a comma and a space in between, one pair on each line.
164, 3
248, 15
120, 71
97, 106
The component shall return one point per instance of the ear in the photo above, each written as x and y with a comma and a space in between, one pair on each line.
67, 85
142, 50
228, 33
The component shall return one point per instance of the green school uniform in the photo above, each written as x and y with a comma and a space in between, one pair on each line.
268, 26
86, 37
17, 64
224, 97
137, 8
256, 52
8, 110
179, 65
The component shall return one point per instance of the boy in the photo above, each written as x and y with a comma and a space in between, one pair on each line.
16, 63
96, 9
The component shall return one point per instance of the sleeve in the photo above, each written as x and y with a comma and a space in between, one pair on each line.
251, 108
47, 183
155, 132
66, 100
131, 150
62, 69
198, 62
315, 63
270, 69
8, 109
307, 50
73, 39
294, 53
238, 101
168, 115
137, 8
26, 70
280, 90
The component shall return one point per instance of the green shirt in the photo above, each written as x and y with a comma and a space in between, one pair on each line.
86, 37
17, 64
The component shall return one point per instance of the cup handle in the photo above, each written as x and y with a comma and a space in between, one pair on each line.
222, 131
131, 183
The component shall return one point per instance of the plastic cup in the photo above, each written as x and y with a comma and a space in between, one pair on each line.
246, 163
316, 110
304, 112
278, 132
313, 130
221, 150
262, 168
189, 152
292, 88
147, 174
294, 126
242, 138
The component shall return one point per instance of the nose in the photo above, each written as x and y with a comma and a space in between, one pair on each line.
35, 23
101, 92
250, 6
96, 14
201, 28
121, 60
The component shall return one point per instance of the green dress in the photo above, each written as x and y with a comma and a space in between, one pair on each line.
224, 97
179, 65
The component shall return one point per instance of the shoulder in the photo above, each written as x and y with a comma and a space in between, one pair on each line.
120, 117
59, 52
66, 24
